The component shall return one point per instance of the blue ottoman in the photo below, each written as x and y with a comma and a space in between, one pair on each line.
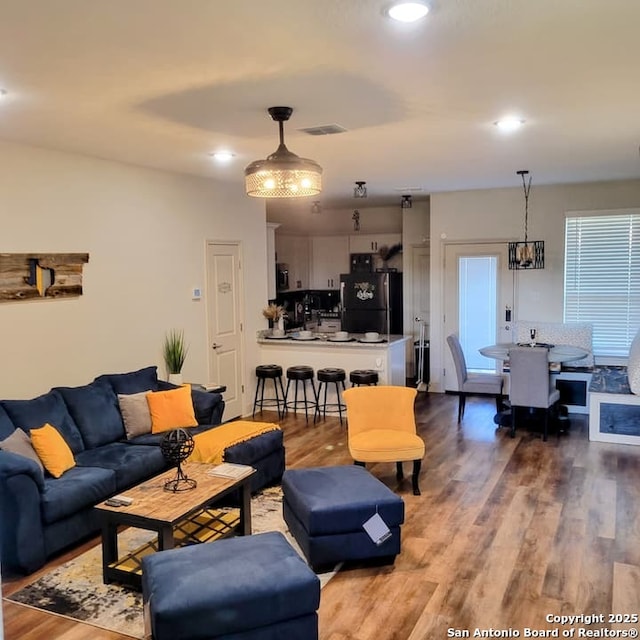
265, 453
245, 588
325, 508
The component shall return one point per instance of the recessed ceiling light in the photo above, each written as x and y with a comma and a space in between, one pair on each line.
509, 124
222, 156
407, 11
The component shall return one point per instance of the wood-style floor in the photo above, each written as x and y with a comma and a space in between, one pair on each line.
506, 532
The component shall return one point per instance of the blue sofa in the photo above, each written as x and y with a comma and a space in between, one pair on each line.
41, 515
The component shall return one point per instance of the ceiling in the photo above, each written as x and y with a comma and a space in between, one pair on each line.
163, 83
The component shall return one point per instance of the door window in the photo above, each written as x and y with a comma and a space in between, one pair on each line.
477, 306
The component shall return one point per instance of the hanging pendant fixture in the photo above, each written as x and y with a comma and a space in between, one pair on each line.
527, 254
283, 174
360, 190
406, 202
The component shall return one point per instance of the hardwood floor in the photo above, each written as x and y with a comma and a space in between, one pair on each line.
506, 532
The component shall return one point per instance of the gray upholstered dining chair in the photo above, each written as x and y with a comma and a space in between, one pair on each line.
473, 383
530, 383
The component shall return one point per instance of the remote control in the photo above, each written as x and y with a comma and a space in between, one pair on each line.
119, 501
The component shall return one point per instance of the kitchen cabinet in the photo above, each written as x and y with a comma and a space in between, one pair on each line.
329, 258
371, 242
294, 252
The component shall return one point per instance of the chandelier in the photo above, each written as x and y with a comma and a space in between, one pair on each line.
527, 254
283, 174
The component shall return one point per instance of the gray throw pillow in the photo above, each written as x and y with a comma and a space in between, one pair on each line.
135, 413
19, 442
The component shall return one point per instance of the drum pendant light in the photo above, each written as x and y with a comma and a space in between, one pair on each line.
530, 253
283, 174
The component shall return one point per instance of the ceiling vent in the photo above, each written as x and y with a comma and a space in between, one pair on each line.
323, 130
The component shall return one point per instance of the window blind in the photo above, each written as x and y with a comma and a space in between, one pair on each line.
602, 278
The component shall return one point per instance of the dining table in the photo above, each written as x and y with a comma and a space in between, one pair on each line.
557, 352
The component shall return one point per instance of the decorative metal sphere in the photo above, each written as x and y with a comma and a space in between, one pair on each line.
176, 446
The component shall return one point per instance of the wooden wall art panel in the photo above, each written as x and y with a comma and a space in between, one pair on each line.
28, 276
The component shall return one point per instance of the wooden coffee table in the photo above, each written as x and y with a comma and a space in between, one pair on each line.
180, 518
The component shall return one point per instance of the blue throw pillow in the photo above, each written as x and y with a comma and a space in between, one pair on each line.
33, 414
94, 408
132, 382
6, 426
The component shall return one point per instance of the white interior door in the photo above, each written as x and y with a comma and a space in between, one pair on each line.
479, 294
224, 323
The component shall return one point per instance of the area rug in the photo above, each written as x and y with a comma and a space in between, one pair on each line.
75, 589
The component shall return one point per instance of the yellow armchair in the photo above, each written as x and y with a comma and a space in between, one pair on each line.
381, 427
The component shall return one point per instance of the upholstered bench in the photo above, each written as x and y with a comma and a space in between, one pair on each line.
257, 444
325, 508
244, 588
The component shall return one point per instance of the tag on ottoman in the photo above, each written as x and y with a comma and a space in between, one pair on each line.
377, 529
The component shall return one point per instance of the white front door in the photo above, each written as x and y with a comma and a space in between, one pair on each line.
224, 323
479, 294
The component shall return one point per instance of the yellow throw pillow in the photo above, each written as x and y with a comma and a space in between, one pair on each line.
52, 450
171, 409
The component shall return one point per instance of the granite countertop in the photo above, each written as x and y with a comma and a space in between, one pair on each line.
327, 339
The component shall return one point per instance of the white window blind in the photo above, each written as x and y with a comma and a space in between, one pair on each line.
602, 278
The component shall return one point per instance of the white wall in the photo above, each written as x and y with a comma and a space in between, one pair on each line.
297, 219
145, 232
498, 214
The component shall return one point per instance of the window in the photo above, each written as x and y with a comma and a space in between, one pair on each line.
477, 304
602, 277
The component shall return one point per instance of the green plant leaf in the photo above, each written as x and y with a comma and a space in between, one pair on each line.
174, 350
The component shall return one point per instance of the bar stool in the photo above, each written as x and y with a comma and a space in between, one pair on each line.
325, 377
301, 373
363, 377
269, 372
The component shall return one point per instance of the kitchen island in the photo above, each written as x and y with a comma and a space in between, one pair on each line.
388, 358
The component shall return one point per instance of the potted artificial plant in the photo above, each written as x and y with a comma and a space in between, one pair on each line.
174, 351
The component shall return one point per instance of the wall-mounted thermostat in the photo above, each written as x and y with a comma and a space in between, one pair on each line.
196, 293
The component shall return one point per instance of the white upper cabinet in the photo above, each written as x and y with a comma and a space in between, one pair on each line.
371, 242
329, 258
294, 252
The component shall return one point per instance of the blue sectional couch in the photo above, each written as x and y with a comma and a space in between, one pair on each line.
41, 515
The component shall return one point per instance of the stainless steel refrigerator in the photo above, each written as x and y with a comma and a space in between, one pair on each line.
371, 302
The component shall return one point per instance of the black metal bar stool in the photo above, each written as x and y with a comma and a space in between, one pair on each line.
363, 377
269, 372
301, 373
325, 377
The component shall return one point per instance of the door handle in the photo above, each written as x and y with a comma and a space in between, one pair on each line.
215, 345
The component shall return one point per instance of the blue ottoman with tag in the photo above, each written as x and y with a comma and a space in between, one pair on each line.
326, 508
245, 588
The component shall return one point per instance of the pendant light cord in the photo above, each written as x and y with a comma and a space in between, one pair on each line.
527, 189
